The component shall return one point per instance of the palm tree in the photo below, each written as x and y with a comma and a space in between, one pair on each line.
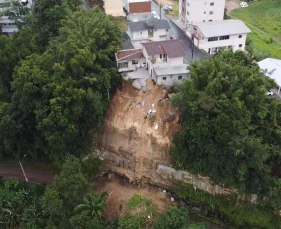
93, 204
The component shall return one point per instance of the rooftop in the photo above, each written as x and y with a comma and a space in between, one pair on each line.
173, 48
145, 25
273, 67
222, 28
171, 70
130, 54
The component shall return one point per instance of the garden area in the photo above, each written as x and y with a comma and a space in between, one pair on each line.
263, 18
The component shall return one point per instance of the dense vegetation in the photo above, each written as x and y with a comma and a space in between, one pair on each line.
263, 18
56, 76
70, 203
231, 129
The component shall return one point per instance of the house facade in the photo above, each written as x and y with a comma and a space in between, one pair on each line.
165, 61
114, 8
130, 60
211, 36
197, 11
141, 32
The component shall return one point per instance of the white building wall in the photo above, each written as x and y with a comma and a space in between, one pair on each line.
177, 61
172, 79
234, 41
199, 10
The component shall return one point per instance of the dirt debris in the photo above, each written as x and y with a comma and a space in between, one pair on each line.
120, 191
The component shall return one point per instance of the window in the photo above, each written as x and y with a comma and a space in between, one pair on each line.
211, 12
240, 46
224, 37
204, 12
240, 36
210, 20
203, 20
187, 13
187, 4
140, 32
164, 78
123, 65
212, 3
213, 38
179, 77
135, 62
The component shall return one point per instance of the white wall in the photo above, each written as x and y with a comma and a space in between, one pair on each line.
233, 41
158, 35
199, 10
172, 79
177, 61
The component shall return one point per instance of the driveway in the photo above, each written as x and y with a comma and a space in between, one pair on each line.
175, 30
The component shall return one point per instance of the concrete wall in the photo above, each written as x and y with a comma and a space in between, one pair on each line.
199, 10
233, 41
172, 79
177, 61
114, 7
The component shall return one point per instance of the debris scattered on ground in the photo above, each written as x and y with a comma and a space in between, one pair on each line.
164, 191
172, 199
156, 126
168, 117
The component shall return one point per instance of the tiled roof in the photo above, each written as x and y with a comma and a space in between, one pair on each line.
173, 48
131, 54
144, 25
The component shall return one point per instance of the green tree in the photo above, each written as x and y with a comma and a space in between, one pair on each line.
84, 221
231, 129
93, 205
174, 218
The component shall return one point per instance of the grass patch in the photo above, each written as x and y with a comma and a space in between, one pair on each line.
264, 14
175, 12
263, 45
123, 23
263, 18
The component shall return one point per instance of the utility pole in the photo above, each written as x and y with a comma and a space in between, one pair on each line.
23, 169
159, 8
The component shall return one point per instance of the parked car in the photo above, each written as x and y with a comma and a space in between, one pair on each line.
173, 37
153, 12
167, 8
269, 93
243, 4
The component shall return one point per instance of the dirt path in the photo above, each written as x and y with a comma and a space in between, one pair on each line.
231, 5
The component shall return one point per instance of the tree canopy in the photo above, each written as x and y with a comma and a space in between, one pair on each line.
231, 129
58, 98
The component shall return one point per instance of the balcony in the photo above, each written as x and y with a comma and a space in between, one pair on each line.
160, 63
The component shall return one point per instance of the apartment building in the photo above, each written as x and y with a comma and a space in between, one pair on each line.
145, 31
211, 36
197, 11
8, 26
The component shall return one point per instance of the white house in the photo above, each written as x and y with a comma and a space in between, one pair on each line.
161, 61
137, 6
130, 59
141, 32
210, 36
9, 26
197, 11
272, 68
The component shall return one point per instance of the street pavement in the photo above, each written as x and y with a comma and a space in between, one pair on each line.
175, 30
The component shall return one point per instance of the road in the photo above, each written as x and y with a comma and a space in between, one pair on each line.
175, 30
33, 175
